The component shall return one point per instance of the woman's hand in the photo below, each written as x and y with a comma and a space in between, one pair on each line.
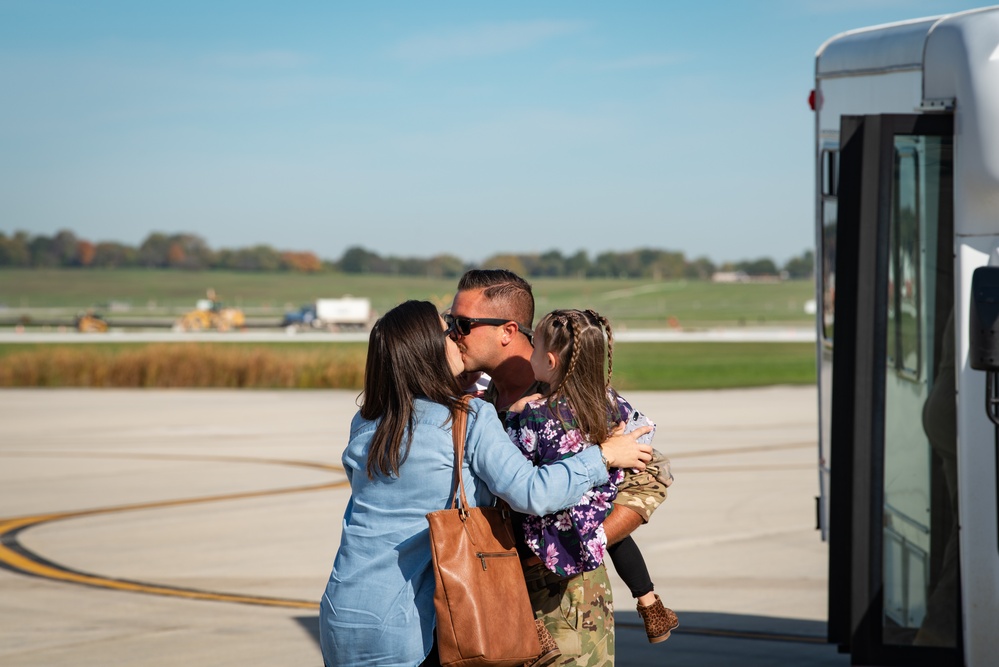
622, 450
522, 403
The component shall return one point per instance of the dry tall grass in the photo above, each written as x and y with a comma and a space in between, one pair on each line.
185, 365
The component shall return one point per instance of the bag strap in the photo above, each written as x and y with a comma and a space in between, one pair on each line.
458, 426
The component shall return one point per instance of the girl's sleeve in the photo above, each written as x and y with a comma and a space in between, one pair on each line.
513, 423
528, 489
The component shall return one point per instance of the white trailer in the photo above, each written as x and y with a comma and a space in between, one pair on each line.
907, 209
343, 313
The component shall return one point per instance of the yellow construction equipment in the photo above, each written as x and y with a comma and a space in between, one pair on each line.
91, 323
211, 314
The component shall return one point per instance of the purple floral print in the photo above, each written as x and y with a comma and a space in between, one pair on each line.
572, 540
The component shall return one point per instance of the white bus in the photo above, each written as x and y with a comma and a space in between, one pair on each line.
907, 208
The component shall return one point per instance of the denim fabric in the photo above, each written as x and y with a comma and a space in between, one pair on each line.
378, 606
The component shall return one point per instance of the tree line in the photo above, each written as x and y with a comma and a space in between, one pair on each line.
191, 252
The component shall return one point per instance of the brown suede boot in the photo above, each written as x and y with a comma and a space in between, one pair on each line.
659, 621
549, 649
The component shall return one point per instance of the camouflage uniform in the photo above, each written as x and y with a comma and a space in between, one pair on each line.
578, 612
641, 492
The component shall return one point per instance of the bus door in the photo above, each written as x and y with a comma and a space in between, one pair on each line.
893, 578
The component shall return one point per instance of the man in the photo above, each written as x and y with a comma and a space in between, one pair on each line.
493, 311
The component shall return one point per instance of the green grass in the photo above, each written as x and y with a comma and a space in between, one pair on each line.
670, 366
637, 366
628, 303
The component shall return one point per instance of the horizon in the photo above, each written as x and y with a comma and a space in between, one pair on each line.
468, 262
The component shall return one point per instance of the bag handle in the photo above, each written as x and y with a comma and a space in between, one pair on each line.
458, 425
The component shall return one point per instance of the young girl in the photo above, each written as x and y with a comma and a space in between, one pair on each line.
581, 409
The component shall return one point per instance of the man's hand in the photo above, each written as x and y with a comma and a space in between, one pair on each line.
622, 450
522, 403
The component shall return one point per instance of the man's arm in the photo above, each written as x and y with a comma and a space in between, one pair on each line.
621, 523
638, 496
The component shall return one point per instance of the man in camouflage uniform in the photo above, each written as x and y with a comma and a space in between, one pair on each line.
494, 310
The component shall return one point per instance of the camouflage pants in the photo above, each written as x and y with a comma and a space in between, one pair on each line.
578, 611
641, 492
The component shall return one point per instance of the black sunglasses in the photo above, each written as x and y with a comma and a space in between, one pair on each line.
463, 325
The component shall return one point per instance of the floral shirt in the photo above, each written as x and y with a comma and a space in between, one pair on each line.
572, 540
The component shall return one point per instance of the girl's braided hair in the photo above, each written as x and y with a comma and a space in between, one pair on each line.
581, 339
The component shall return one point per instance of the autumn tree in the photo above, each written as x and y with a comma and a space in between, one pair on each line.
85, 252
305, 262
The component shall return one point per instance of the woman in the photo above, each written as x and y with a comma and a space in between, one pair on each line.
378, 608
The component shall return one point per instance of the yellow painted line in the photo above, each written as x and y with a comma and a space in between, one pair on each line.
16, 557
171, 457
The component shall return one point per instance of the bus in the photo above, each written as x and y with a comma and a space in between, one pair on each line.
907, 238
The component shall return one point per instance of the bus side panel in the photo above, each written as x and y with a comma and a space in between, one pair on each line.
976, 466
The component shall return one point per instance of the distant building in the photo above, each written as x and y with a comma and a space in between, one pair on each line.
743, 277
730, 277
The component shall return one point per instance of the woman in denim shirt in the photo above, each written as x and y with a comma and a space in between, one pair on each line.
378, 607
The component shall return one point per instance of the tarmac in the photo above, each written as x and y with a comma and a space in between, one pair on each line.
164, 527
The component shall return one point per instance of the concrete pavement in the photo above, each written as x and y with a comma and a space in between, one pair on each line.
198, 527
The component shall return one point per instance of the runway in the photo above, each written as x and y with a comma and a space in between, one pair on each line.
165, 527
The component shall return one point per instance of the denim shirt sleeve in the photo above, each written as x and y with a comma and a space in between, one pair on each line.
498, 462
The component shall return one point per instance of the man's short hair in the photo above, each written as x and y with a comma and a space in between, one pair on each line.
508, 292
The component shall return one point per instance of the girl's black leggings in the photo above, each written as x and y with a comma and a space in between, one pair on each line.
630, 566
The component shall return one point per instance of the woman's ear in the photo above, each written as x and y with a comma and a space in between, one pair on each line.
552, 361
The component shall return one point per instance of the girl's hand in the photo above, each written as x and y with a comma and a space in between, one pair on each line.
622, 450
522, 403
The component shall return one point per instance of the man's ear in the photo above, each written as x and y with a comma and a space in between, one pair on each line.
510, 331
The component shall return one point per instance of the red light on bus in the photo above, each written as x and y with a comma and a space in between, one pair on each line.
814, 100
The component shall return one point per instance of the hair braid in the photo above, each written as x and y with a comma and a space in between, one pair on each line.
568, 319
605, 323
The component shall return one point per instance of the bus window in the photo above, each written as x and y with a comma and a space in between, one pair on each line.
904, 344
830, 187
830, 172
828, 268
919, 565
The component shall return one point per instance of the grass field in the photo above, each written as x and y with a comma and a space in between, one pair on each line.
637, 366
628, 303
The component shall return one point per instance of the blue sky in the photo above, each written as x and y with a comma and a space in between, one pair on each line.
420, 128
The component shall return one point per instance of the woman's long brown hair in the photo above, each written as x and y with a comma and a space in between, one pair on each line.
407, 359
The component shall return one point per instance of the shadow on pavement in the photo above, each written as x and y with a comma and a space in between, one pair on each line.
707, 639
310, 624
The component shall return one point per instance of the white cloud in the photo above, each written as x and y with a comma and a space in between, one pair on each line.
481, 41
